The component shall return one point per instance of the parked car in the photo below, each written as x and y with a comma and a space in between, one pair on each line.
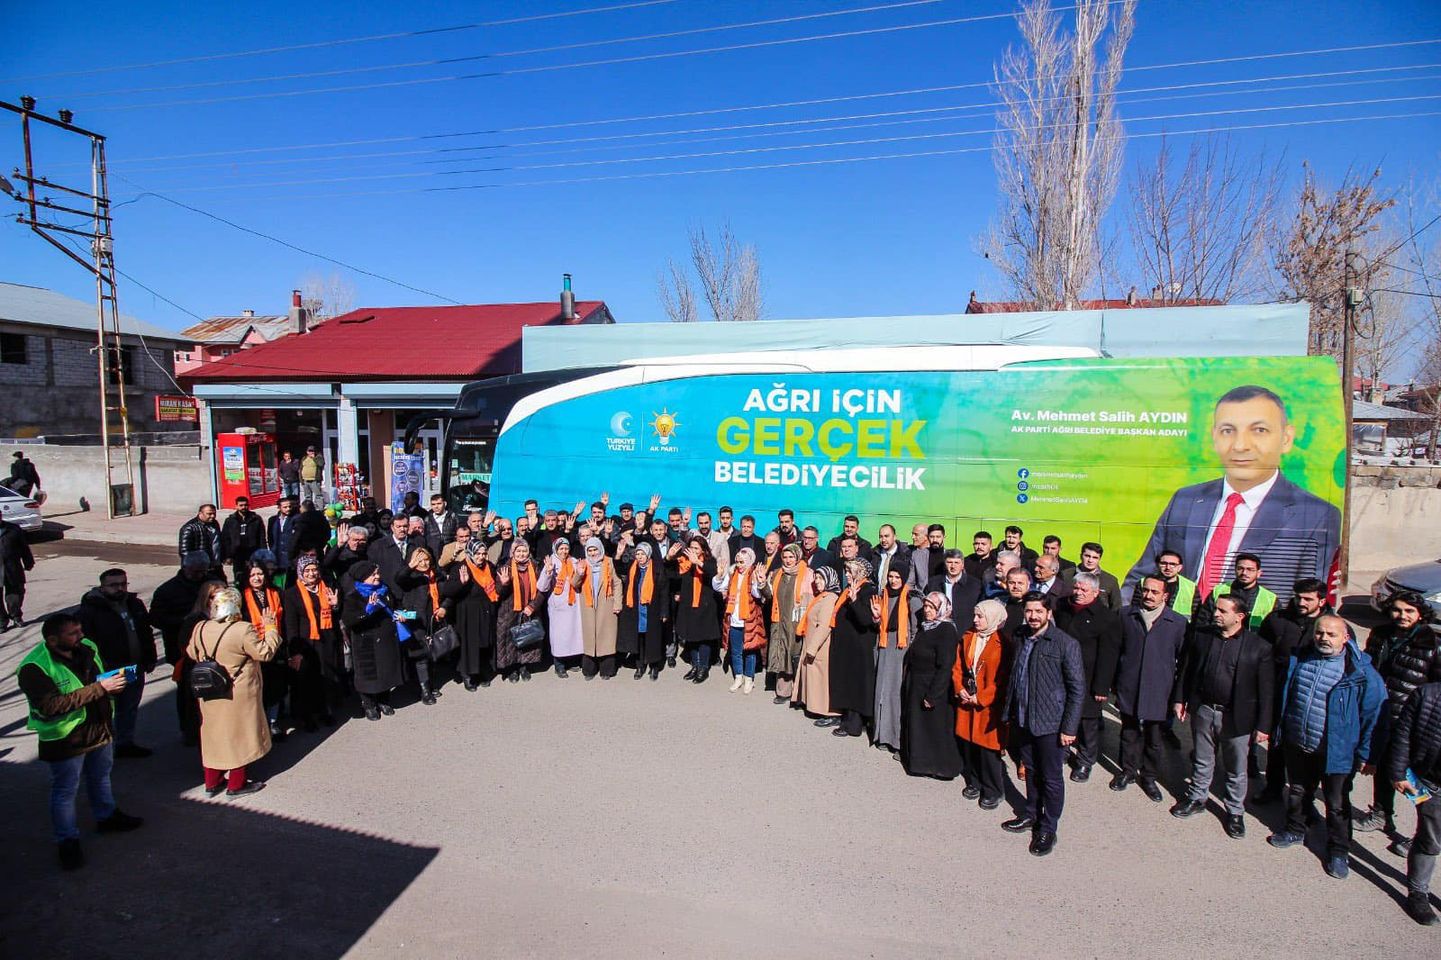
1424, 578
22, 511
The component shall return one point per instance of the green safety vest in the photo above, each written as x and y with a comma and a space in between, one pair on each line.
1185, 602
65, 680
1265, 602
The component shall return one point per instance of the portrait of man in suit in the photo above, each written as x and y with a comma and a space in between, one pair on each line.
1251, 508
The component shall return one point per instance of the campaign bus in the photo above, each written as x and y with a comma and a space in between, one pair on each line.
1138, 454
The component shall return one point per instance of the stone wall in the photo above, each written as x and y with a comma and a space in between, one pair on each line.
172, 478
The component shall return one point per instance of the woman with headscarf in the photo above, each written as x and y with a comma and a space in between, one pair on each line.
427, 599
979, 681
233, 729
853, 652
813, 684
745, 631
475, 591
787, 589
369, 614
600, 605
310, 620
560, 581
641, 630
697, 620
895, 610
519, 599
928, 725
259, 597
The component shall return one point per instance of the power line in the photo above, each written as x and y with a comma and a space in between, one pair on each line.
639, 58
501, 54
930, 115
286, 243
781, 147
455, 28
818, 101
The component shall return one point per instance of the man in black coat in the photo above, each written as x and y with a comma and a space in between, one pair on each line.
1289, 630
1152, 638
242, 534
850, 527
116, 621
280, 533
814, 556
1097, 628
746, 537
1048, 579
1043, 707
1225, 686
24, 479
169, 607
202, 533
15, 560
1416, 747
887, 550
353, 547
963, 591
392, 553
1016, 545
440, 525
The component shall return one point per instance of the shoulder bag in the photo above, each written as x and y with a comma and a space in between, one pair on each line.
527, 633
209, 680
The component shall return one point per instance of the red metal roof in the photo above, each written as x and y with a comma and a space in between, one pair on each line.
400, 343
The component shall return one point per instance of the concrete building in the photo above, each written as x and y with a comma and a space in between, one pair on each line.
350, 386
49, 372
218, 337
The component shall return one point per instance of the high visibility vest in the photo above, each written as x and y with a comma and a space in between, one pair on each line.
1265, 602
65, 680
1185, 602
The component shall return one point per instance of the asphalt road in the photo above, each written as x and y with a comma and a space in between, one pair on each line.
623, 819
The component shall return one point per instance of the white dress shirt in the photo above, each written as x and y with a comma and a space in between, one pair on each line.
1245, 513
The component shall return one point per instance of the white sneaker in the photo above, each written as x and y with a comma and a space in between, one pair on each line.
736, 684
750, 684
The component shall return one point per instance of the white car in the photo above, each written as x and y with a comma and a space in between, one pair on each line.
21, 511
1424, 578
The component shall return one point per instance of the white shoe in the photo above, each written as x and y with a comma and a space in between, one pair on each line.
736, 684
750, 684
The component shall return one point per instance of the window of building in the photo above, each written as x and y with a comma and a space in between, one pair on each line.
12, 348
127, 366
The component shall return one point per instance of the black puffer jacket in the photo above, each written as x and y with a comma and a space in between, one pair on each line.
1416, 737
1405, 659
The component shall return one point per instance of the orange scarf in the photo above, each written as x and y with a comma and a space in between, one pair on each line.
845, 598
801, 574
647, 586
699, 568
903, 617
480, 576
327, 603
801, 627
607, 573
738, 595
434, 589
272, 603
520, 595
566, 573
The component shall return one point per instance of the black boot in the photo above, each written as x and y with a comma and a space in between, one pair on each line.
691, 673
640, 671
427, 695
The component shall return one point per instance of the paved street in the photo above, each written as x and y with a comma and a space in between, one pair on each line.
625, 818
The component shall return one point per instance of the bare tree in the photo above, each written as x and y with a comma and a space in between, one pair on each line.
1058, 149
1311, 250
729, 274
1201, 232
1422, 255
1384, 334
326, 297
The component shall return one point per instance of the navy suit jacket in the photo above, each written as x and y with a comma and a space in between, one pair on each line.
1294, 532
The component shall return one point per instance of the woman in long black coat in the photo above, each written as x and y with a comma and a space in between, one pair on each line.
853, 652
928, 717
697, 618
646, 578
368, 612
312, 623
476, 589
430, 596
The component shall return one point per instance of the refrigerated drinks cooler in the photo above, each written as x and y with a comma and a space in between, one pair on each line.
246, 467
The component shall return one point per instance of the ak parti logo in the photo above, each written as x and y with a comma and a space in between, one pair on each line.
665, 425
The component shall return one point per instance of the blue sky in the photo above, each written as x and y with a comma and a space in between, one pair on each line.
861, 238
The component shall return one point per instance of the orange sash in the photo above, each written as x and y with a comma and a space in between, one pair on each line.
327, 603
686, 567
434, 589
647, 586
566, 574
480, 576
272, 603
520, 596
738, 595
801, 627
903, 617
801, 573
607, 573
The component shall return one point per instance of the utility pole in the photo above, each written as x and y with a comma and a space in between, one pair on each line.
1350, 299
110, 358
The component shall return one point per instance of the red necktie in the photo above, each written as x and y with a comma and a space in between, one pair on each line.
1215, 563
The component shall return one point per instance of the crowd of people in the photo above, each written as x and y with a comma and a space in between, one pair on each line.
987, 667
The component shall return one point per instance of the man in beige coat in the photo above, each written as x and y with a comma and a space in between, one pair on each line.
233, 730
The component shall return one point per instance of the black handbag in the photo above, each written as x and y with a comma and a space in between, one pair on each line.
527, 633
442, 642
209, 680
